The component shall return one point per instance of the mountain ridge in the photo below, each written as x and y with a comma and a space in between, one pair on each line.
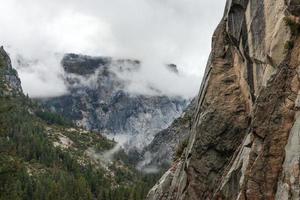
98, 100
43, 156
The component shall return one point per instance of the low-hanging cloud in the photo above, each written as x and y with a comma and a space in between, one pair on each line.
154, 31
155, 78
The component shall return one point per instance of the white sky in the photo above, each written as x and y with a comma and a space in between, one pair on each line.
154, 31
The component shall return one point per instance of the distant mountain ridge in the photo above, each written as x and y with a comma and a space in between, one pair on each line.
168, 143
98, 100
43, 156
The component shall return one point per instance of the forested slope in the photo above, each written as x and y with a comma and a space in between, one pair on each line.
42, 156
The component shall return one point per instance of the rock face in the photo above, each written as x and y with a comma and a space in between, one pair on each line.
39, 148
11, 83
162, 150
98, 100
244, 141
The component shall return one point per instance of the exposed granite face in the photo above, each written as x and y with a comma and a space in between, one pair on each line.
9, 76
85, 65
162, 150
244, 141
98, 100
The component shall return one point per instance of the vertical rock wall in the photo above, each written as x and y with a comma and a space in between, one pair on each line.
10, 82
244, 141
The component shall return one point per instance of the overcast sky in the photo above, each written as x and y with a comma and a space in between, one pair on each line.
154, 31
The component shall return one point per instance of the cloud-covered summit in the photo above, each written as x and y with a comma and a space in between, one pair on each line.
154, 31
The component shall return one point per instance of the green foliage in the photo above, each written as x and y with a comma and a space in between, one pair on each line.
102, 145
52, 118
84, 140
32, 168
13, 72
294, 26
2, 81
22, 143
2, 63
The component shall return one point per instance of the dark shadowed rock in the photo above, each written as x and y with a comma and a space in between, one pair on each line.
83, 65
173, 68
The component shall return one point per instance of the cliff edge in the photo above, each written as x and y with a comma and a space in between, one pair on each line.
244, 141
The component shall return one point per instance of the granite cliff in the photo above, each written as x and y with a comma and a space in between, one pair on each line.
98, 100
10, 83
244, 138
168, 143
45, 156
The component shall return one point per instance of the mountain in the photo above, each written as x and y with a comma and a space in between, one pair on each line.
244, 138
168, 143
99, 100
44, 156
10, 83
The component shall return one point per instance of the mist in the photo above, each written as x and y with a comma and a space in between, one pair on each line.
156, 32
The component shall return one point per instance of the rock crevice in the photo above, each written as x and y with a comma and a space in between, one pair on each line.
243, 141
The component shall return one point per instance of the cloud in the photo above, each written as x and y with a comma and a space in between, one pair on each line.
154, 78
41, 78
154, 31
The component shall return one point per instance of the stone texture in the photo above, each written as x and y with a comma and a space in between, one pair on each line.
161, 151
11, 82
98, 100
244, 141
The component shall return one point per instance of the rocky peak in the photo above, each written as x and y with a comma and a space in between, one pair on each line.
87, 65
41, 148
168, 143
82, 64
10, 83
173, 68
98, 100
